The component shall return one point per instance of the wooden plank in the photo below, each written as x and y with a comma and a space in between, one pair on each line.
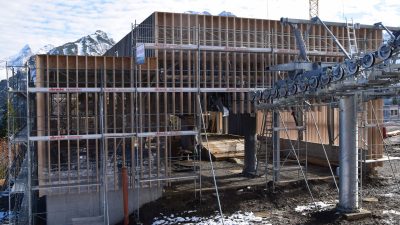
224, 146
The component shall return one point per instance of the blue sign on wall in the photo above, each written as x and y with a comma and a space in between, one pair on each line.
140, 53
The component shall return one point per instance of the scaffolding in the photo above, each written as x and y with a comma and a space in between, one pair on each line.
20, 164
88, 117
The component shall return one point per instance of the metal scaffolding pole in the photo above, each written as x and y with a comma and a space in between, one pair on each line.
9, 141
103, 154
198, 147
134, 66
276, 146
348, 162
29, 154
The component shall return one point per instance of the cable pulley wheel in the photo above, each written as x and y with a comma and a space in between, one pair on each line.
301, 86
313, 82
292, 89
385, 52
326, 77
274, 93
352, 67
337, 73
368, 60
266, 94
283, 92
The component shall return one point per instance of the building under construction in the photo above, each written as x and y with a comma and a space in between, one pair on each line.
95, 124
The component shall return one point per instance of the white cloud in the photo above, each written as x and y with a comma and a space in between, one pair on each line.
55, 22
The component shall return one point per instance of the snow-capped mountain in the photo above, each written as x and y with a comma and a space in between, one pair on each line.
225, 13
45, 49
198, 13
20, 58
94, 44
16, 60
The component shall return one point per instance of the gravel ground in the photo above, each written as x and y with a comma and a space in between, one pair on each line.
288, 204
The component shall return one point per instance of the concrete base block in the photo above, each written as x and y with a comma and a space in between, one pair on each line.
96, 220
363, 213
73, 208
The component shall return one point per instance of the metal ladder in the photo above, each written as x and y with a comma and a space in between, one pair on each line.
264, 136
263, 154
351, 35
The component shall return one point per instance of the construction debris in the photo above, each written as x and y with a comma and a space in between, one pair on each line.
393, 133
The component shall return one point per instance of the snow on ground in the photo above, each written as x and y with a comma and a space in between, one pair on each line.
393, 216
393, 212
5, 216
238, 218
390, 195
311, 207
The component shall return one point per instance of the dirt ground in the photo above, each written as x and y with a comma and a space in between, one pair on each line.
380, 196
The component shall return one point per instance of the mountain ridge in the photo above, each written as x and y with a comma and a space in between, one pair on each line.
223, 13
93, 44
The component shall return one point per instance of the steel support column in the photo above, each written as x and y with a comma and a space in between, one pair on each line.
348, 159
250, 153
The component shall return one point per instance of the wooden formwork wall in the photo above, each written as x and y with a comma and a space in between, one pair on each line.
247, 69
67, 114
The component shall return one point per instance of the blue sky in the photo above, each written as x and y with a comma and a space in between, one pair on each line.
41, 22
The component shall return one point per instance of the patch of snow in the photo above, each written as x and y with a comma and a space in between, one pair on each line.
393, 212
80, 47
390, 195
393, 216
45, 49
238, 218
3, 215
317, 206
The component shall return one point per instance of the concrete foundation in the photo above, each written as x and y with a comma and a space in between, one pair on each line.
63, 209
